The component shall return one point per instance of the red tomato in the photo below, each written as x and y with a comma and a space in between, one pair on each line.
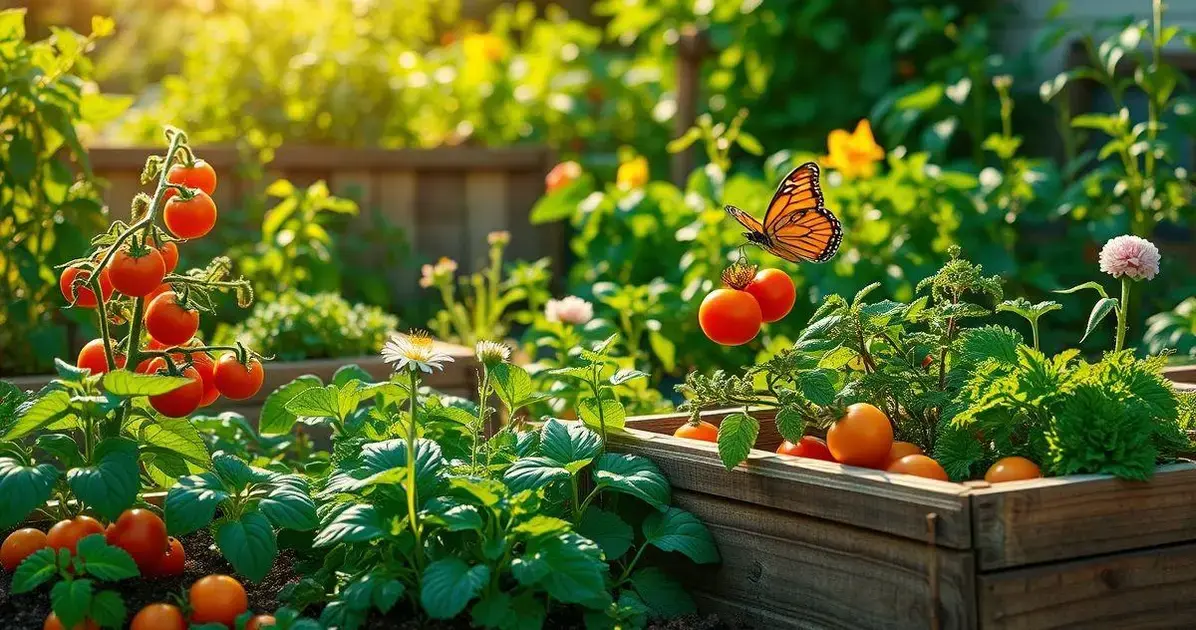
238, 381
901, 449
217, 599
918, 465
52, 623
199, 175
730, 317
809, 446
169, 322
20, 545
66, 534
190, 218
136, 276
159, 617
179, 402
862, 437
1012, 469
703, 431
141, 533
207, 373
162, 288
260, 622
92, 357
170, 254
562, 175
81, 294
172, 562
774, 291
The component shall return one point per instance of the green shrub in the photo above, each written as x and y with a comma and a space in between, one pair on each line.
301, 326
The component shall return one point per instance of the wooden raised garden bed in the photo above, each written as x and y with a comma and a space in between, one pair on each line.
813, 544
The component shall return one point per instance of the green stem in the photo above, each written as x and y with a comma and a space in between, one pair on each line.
598, 404
1122, 313
102, 312
483, 413
412, 513
576, 499
630, 566
1034, 331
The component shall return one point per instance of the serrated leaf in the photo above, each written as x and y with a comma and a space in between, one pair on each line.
53, 407
570, 568
40, 567
568, 442
512, 384
191, 503
634, 475
105, 562
449, 585
613, 415
678, 530
108, 609
351, 372
453, 516
790, 424
1099, 312
837, 358
110, 486
488, 491
817, 386
736, 436
542, 525
126, 383
626, 375
248, 544
607, 529
23, 489
70, 600
275, 418
326, 402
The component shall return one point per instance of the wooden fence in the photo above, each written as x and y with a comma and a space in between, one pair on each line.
445, 200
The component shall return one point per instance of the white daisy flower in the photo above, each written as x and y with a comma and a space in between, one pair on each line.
492, 352
415, 351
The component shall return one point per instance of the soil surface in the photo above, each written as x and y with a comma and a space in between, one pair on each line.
28, 611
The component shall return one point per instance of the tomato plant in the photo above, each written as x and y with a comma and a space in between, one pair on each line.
142, 534
193, 174
20, 545
159, 617
136, 271
180, 401
237, 380
66, 534
78, 289
774, 292
189, 217
217, 599
170, 320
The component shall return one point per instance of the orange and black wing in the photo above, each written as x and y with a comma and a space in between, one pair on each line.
813, 235
745, 219
799, 192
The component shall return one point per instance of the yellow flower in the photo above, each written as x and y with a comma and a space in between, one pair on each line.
853, 154
632, 174
484, 46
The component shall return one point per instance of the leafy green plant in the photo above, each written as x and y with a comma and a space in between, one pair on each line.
1175, 329
74, 597
300, 326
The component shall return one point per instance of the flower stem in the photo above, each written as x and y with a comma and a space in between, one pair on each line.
1123, 313
412, 513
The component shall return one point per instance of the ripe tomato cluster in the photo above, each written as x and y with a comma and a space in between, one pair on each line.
863, 437
733, 315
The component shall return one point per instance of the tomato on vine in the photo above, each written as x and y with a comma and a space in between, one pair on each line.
198, 174
159, 617
75, 287
190, 218
65, 534
217, 599
774, 291
237, 380
203, 363
169, 322
142, 534
172, 562
179, 402
169, 253
862, 437
20, 545
731, 316
92, 357
136, 271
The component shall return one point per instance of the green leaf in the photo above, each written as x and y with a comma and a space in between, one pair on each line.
664, 596
453, 516
542, 525
790, 424
678, 530
736, 436
923, 99
837, 358
392, 454
110, 487
50, 408
126, 383
191, 503
70, 600
1099, 311
358, 523
570, 568
171, 435
568, 442
492, 611
512, 384
326, 402
105, 562
533, 473
289, 508
351, 372
22, 159
664, 348
387, 593
624, 376
448, 586
23, 489
614, 416
607, 529
634, 475
248, 544
488, 491
235, 473
40, 567
817, 386
1087, 285
108, 609
275, 418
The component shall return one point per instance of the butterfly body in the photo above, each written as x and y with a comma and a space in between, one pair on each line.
797, 225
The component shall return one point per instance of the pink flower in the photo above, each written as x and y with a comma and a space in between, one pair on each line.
570, 310
442, 271
501, 237
1130, 256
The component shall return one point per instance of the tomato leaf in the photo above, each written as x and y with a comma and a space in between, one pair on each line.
105, 562
634, 475
51, 408
191, 503
678, 530
23, 488
276, 419
125, 383
108, 609
614, 416
37, 569
70, 600
110, 486
790, 424
448, 586
736, 437
248, 544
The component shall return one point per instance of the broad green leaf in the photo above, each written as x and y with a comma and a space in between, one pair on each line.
275, 418
358, 523
532, 473
53, 407
571, 569
837, 358
492, 611
542, 525
62, 447
126, 383
391, 454
1099, 312
512, 384
568, 442
110, 486
108, 609
70, 373
23, 488
817, 386
351, 372
70, 600
736, 437
248, 544
171, 435
664, 596
1087, 285
449, 585
289, 508
624, 376
454, 516
235, 473
678, 530
634, 475
105, 562
488, 491
40, 567
607, 529
790, 424
613, 416
191, 503
326, 402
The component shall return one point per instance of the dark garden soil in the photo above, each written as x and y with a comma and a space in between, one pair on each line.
28, 611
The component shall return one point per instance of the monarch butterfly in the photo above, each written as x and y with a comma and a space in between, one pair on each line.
797, 226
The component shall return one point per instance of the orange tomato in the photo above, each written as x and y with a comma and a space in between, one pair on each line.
217, 599
702, 431
1012, 469
20, 545
52, 623
159, 617
862, 437
774, 291
901, 449
261, 621
730, 317
809, 446
66, 534
920, 466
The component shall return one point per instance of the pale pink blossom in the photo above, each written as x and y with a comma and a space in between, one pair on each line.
432, 275
569, 310
1130, 256
501, 237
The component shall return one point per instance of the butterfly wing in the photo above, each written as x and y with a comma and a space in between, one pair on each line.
798, 192
814, 235
745, 219
797, 226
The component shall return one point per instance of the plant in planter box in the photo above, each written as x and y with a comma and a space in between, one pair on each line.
300, 326
74, 596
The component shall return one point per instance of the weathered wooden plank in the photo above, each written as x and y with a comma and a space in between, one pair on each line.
357, 185
1153, 588
122, 187
1062, 518
870, 499
1181, 374
782, 570
396, 200
440, 214
486, 212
